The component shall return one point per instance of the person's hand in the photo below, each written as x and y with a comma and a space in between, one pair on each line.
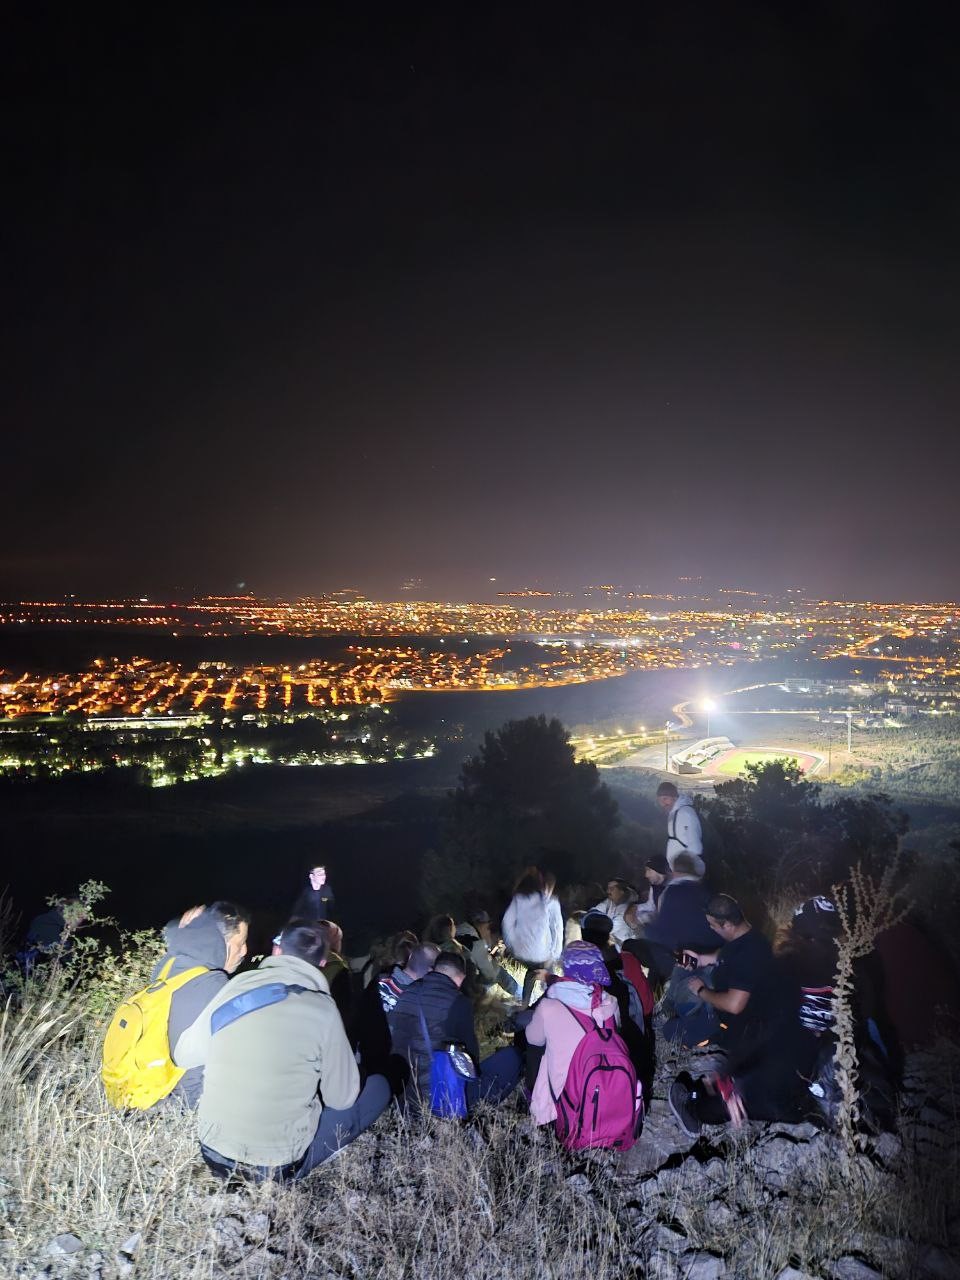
695, 986
189, 916
541, 975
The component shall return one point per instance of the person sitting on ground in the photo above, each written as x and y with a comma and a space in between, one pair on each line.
385, 953
271, 1042
533, 926
442, 931
769, 1055
808, 950
553, 1032
421, 961
340, 979
680, 920
436, 1002
372, 1006
394, 978
475, 936
684, 832
212, 940
657, 873
688, 1019
620, 896
635, 1027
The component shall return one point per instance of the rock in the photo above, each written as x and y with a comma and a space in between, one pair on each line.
666, 1239
661, 1266
938, 1265
94, 1260
661, 1138
63, 1245
228, 1233
804, 1132
851, 1268
701, 1266
887, 1147
256, 1226
719, 1216
125, 1268
778, 1161
580, 1183
132, 1244
791, 1273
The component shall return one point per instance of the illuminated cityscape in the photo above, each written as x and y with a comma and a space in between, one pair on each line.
174, 719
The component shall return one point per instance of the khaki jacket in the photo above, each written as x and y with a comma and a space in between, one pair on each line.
261, 1073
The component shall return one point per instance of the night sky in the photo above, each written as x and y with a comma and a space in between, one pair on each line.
312, 296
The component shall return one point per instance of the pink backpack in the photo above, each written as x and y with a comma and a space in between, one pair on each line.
601, 1104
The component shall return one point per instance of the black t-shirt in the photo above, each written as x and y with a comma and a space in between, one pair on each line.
747, 964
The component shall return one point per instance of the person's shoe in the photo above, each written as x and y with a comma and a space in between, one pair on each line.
681, 1104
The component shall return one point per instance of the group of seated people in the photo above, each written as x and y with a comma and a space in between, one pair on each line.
288, 1062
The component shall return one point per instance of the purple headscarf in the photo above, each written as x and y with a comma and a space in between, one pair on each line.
583, 962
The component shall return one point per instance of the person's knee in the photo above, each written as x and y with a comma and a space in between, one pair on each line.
375, 1097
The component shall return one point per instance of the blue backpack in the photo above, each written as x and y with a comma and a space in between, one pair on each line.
450, 1069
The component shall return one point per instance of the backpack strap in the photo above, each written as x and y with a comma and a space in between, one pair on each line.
249, 1001
673, 834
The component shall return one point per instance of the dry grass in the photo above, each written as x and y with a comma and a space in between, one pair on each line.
423, 1198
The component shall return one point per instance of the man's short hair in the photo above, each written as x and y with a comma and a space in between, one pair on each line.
227, 917
422, 958
450, 963
667, 789
688, 864
725, 909
306, 939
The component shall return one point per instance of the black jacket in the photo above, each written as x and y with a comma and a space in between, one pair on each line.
314, 904
681, 919
449, 1017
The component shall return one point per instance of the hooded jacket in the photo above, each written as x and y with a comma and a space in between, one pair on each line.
555, 1028
684, 833
199, 943
260, 1103
533, 927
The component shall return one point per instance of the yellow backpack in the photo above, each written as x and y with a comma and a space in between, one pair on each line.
137, 1069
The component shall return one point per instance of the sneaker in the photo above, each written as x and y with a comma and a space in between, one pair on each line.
681, 1104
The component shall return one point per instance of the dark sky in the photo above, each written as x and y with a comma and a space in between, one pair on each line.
309, 296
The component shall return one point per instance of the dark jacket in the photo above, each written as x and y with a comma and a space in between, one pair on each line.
681, 919
199, 943
314, 904
448, 1015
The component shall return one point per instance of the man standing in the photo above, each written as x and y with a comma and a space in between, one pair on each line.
272, 1044
316, 900
684, 834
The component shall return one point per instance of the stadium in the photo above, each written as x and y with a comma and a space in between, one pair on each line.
719, 757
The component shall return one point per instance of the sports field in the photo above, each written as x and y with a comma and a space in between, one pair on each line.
733, 763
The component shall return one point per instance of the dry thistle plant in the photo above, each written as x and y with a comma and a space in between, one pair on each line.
867, 907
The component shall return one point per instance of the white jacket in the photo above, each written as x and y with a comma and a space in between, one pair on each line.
621, 931
684, 834
533, 927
